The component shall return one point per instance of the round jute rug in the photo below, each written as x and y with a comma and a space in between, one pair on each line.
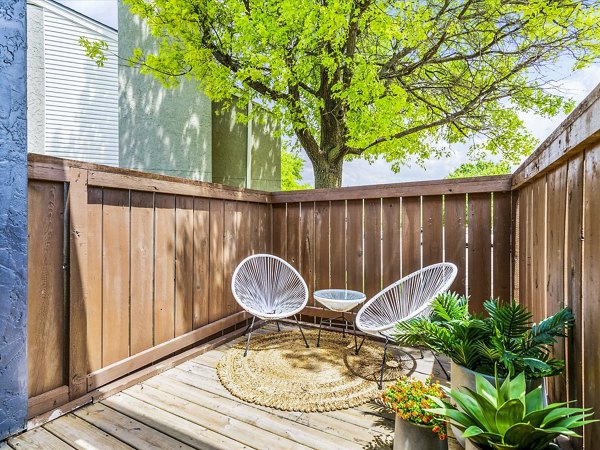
280, 372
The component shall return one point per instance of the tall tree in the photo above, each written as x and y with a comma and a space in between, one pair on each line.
402, 79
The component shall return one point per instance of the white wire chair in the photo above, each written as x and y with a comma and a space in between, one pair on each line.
405, 299
269, 288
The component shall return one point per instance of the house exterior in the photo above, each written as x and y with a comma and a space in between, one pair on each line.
72, 103
202, 142
116, 116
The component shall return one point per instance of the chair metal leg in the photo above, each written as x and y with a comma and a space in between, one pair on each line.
356, 347
319, 335
383, 363
277, 322
440, 364
422, 355
301, 332
249, 335
361, 343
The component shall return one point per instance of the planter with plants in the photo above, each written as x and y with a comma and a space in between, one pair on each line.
416, 428
505, 416
505, 340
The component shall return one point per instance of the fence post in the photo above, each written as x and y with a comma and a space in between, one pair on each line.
78, 282
13, 218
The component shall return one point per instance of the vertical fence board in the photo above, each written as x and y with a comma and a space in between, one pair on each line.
47, 328
538, 262
201, 261
372, 259
573, 256
591, 286
184, 264
265, 227
411, 235
455, 238
215, 305
254, 241
307, 247
502, 223
245, 220
94, 300
433, 234
337, 244
230, 251
115, 268
391, 244
354, 245
164, 268
321, 245
557, 185
142, 270
528, 254
280, 230
78, 276
479, 264
293, 232
516, 245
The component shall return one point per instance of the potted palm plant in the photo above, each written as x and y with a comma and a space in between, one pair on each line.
416, 429
506, 340
504, 416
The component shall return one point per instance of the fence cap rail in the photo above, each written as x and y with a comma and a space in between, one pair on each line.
496, 183
577, 132
50, 168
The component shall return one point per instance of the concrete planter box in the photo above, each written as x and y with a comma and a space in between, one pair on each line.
461, 376
411, 436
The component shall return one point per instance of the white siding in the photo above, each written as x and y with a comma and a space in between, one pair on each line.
82, 117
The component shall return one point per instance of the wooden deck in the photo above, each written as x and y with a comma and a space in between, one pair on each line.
187, 408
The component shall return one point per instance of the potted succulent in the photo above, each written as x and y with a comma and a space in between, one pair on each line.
415, 428
505, 416
506, 340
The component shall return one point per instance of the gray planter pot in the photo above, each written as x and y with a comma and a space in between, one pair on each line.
410, 436
461, 376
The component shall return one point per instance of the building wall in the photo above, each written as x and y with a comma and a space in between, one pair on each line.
74, 103
162, 130
265, 151
13, 217
178, 132
81, 98
237, 147
230, 147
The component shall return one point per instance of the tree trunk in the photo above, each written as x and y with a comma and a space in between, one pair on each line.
328, 174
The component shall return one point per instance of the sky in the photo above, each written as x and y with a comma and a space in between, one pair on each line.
576, 85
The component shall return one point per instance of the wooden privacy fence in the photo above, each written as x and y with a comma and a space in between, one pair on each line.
557, 258
127, 268
368, 237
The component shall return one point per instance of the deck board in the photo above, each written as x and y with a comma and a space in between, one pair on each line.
187, 408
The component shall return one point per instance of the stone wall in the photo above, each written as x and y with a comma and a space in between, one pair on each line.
13, 217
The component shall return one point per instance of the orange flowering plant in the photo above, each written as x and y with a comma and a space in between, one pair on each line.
409, 398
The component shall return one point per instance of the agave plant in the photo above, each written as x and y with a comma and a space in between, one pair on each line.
505, 417
505, 338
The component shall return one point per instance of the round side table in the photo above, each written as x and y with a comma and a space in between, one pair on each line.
342, 301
